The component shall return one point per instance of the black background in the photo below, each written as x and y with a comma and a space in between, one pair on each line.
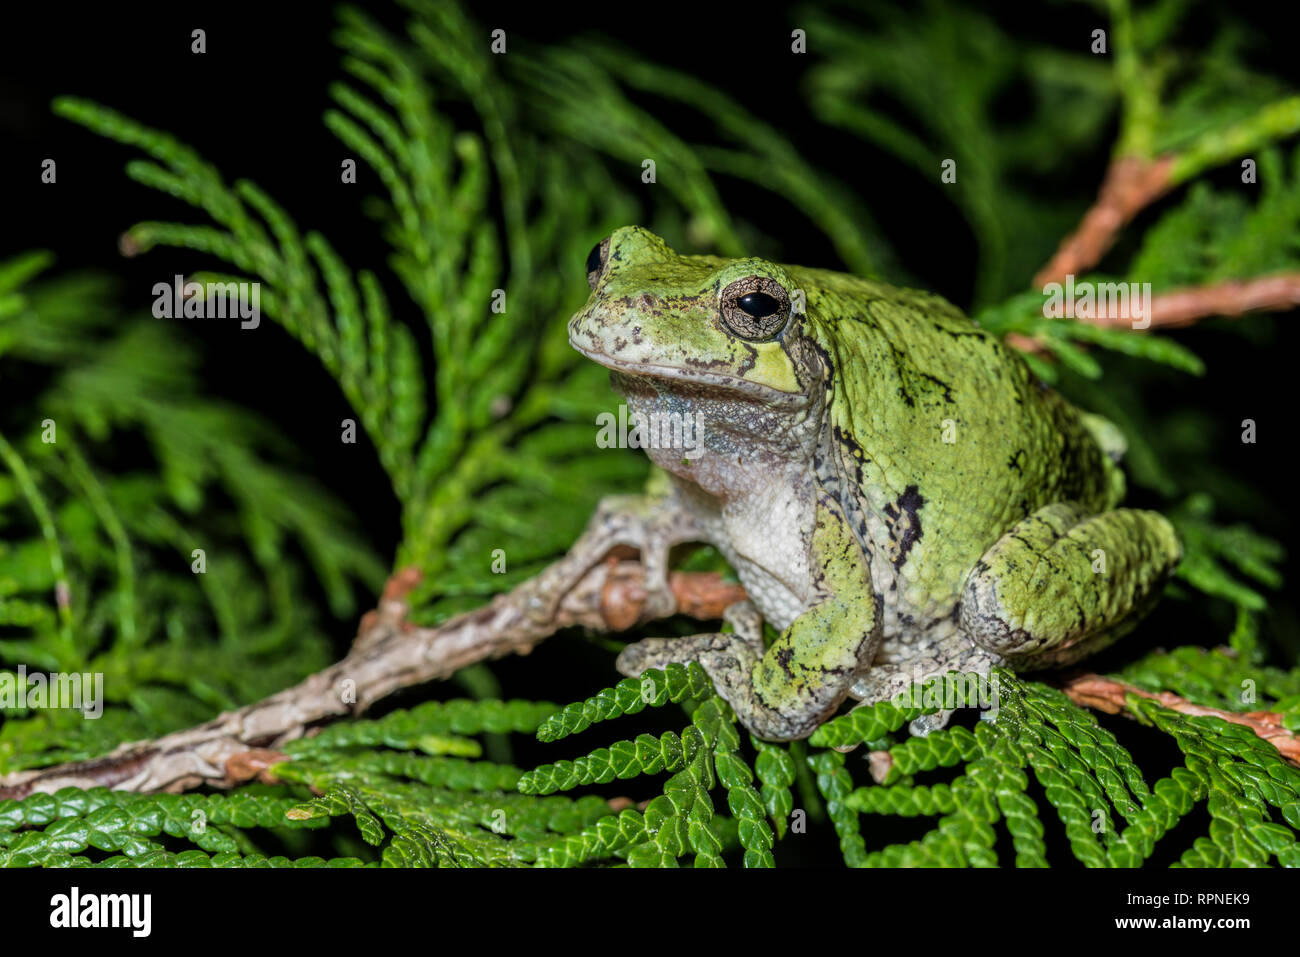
326, 909
252, 106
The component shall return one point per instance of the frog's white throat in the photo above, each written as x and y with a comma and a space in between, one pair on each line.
728, 444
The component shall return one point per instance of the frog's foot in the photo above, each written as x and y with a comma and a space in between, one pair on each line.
747, 622
743, 616
730, 662
651, 524
656, 653
900, 666
1062, 584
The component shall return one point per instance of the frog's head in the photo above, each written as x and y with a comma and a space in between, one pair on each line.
693, 321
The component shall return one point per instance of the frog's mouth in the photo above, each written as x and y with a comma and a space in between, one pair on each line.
627, 376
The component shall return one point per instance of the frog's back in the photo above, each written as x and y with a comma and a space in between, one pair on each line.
946, 433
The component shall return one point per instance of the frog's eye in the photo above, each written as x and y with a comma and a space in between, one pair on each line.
755, 307
596, 262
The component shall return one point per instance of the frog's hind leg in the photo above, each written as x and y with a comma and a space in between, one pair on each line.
1058, 586
1062, 584
905, 662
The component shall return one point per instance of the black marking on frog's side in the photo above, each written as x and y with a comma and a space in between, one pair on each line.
846, 441
947, 389
901, 368
1014, 461
783, 657
905, 521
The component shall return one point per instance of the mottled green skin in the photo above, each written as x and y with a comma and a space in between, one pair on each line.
866, 468
912, 371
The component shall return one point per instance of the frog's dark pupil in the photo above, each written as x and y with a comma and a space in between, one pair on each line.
593, 259
758, 304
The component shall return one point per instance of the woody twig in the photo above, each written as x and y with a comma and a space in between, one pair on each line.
1130, 185
1187, 306
1110, 695
1135, 180
390, 652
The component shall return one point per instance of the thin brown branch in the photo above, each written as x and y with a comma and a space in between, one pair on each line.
389, 653
1131, 184
1185, 307
1235, 297
1109, 695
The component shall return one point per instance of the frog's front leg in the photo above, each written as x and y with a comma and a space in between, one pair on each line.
1062, 584
651, 523
788, 691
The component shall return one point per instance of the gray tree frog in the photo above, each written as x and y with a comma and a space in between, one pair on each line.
897, 492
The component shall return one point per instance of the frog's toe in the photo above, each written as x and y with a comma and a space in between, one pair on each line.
747, 622
641, 656
638, 657
898, 676
922, 726
650, 525
729, 661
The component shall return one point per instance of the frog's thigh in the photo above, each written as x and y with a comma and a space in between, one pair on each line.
1061, 584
